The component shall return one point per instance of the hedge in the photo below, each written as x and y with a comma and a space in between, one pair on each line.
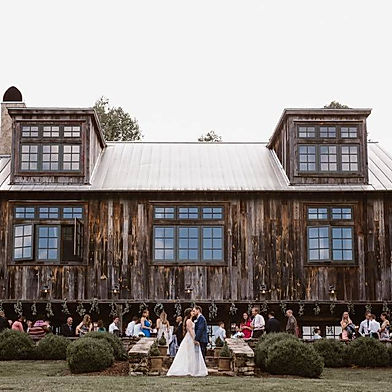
114, 341
52, 347
368, 352
15, 345
333, 352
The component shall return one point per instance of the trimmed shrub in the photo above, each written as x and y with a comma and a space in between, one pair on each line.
113, 340
154, 350
218, 342
262, 346
15, 345
294, 357
162, 341
52, 347
225, 352
368, 352
89, 355
333, 352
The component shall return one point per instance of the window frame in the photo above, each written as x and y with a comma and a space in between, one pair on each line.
22, 259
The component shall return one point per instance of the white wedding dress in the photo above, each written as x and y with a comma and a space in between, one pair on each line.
189, 360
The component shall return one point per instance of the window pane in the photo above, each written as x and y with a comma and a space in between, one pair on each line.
212, 243
72, 131
188, 213
163, 243
48, 240
306, 132
51, 131
318, 243
71, 157
350, 158
73, 212
328, 158
22, 242
328, 132
349, 132
29, 157
164, 212
307, 158
315, 213
342, 242
188, 246
212, 212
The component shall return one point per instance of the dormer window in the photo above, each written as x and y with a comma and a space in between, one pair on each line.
327, 132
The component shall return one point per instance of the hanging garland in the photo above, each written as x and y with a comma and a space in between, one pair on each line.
49, 311
64, 308
350, 308
94, 306
283, 307
158, 309
316, 309
301, 310
178, 308
212, 311
80, 310
126, 310
18, 308
385, 308
368, 308
142, 307
233, 309
264, 307
250, 306
113, 310
1, 306
34, 309
332, 307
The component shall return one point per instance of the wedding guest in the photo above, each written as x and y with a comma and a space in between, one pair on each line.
177, 333
163, 327
273, 324
146, 324
3, 322
221, 332
291, 326
114, 326
85, 326
317, 334
18, 324
29, 325
246, 326
385, 327
131, 327
258, 323
364, 327
348, 327
39, 329
178, 330
100, 326
374, 327
238, 334
137, 332
67, 329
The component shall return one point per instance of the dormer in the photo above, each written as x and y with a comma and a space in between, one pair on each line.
52, 145
322, 146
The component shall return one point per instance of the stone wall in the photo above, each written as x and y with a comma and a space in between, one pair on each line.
243, 363
138, 357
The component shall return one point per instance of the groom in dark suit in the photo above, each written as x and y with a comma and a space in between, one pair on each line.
201, 334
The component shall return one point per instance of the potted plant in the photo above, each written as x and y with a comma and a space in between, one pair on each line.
155, 357
162, 346
224, 358
218, 346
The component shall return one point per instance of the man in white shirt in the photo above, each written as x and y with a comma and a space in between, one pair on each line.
131, 327
258, 323
113, 327
374, 327
221, 332
364, 327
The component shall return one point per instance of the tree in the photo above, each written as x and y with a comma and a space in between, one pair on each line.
210, 137
336, 105
117, 125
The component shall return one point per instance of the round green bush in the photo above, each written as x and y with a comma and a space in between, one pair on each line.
262, 346
114, 341
89, 355
15, 345
52, 347
333, 352
368, 352
293, 357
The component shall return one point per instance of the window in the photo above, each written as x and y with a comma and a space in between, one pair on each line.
29, 157
349, 132
23, 242
328, 132
29, 131
308, 332
307, 158
175, 239
328, 161
71, 157
349, 158
53, 233
72, 131
306, 132
330, 234
51, 131
333, 331
50, 158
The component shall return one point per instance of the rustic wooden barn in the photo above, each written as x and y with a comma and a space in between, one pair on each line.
303, 221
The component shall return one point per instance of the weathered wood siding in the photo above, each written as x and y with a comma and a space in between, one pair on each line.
265, 244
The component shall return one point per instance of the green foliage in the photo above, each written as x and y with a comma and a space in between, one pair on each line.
154, 350
218, 342
210, 137
113, 340
15, 345
225, 352
390, 355
89, 355
52, 347
294, 357
333, 352
162, 341
336, 105
262, 346
367, 352
117, 125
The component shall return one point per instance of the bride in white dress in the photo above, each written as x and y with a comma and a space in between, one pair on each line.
189, 359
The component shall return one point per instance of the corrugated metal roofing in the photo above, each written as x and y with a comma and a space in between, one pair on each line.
200, 167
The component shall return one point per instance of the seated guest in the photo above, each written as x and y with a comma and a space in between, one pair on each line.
258, 323
67, 328
385, 327
273, 324
221, 332
238, 334
85, 326
113, 327
317, 334
246, 326
100, 326
3, 322
375, 327
18, 324
131, 327
39, 329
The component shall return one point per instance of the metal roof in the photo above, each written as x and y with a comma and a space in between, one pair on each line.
140, 166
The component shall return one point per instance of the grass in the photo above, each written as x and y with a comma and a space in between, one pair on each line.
48, 376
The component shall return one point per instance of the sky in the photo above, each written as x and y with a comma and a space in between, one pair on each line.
183, 67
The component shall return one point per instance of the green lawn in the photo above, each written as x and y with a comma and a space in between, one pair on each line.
52, 376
